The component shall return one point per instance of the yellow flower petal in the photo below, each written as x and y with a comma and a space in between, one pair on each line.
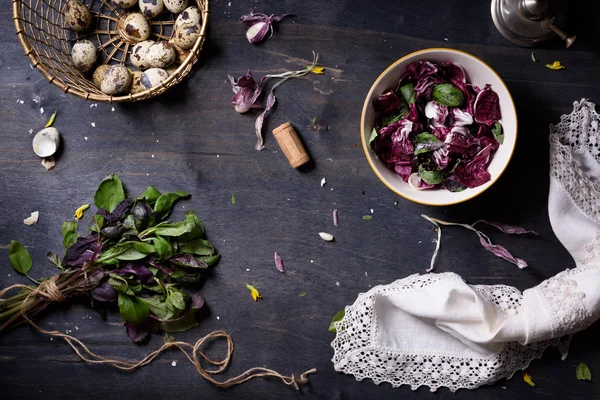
80, 210
527, 378
51, 120
317, 70
556, 65
253, 292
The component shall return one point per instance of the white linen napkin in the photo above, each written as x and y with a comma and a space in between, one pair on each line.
438, 331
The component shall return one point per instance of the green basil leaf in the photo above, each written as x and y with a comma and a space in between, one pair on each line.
132, 309
338, 317
302, 294
423, 142
447, 95
498, 132
372, 138
430, 177
151, 194
19, 257
164, 249
97, 223
195, 227
211, 261
408, 93
110, 193
157, 306
177, 300
583, 373
201, 247
392, 120
183, 323
367, 217
165, 202
233, 199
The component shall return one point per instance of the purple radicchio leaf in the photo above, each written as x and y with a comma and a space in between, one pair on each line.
336, 220
278, 262
502, 253
437, 114
442, 158
416, 182
455, 74
428, 78
461, 118
509, 229
145, 276
387, 103
104, 292
247, 92
487, 107
259, 121
474, 172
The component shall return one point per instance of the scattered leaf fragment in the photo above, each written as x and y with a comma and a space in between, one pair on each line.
302, 294
278, 262
316, 70
233, 199
49, 163
253, 292
19, 257
527, 378
33, 219
314, 120
367, 217
80, 210
336, 219
51, 120
326, 236
533, 57
338, 317
583, 373
556, 65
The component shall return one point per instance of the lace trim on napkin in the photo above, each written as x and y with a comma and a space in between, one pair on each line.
356, 351
577, 133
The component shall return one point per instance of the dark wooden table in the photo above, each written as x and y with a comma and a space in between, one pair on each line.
191, 139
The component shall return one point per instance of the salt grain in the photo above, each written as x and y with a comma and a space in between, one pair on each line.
31, 131
85, 137
112, 109
41, 109
323, 182
174, 364
218, 318
337, 284
93, 124
152, 155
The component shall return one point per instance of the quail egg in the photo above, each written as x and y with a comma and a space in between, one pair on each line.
153, 77
116, 80
151, 8
136, 85
134, 27
99, 74
46, 142
138, 54
172, 69
186, 35
124, 3
161, 55
190, 15
181, 53
84, 55
77, 16
176, 6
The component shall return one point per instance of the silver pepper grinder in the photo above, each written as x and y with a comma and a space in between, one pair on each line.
530, 23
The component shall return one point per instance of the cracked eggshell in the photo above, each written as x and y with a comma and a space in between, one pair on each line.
176, 6
116, 80
161, 55
138, 54
46, 142
151, 8
99, 74
189, 16
77, 16
136, 27
136, 84
153, 77
84, 55
125, 3
186, 35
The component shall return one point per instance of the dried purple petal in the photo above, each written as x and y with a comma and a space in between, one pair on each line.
336, 220
511, 230
259, 121
278, 262
502, 253
247, 92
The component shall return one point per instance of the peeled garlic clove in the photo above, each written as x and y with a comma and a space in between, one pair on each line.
46, 142
326, 236
33, 219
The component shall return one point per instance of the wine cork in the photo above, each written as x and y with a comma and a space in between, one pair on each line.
291, 145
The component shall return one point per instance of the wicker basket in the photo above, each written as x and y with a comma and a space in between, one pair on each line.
40, 28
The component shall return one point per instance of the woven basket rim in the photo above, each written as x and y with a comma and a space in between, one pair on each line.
182, 70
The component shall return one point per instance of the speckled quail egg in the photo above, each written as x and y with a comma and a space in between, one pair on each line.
181, 54
153, 77
135, 27
176, 6
138, 54
186, 35
84, 55
151, 8
77, 16
161, 55
99, 74
189, 16
136, 84
116, 80
172, 69
124, 3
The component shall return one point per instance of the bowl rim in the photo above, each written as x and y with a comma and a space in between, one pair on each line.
366, 104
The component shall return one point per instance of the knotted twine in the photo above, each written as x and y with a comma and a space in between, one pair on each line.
50, 291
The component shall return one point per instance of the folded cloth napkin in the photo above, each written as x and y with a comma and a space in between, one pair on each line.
438, 331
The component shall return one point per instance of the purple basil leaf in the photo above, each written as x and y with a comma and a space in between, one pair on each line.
487, 107
259, 121
81, 251
502, 253
104, 292
336, 220
139, 332
278, 262
145, 276
188, 261
197, 301
511, 230
474, 172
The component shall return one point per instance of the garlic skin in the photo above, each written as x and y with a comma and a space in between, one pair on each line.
257, 32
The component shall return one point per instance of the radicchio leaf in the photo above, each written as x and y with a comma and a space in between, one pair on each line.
461, 118
387, 103
437, 114
487, 106
278, 262
455, 74
416, 182
474, 172
502, 253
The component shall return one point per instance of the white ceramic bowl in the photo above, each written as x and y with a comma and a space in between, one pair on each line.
478, 73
